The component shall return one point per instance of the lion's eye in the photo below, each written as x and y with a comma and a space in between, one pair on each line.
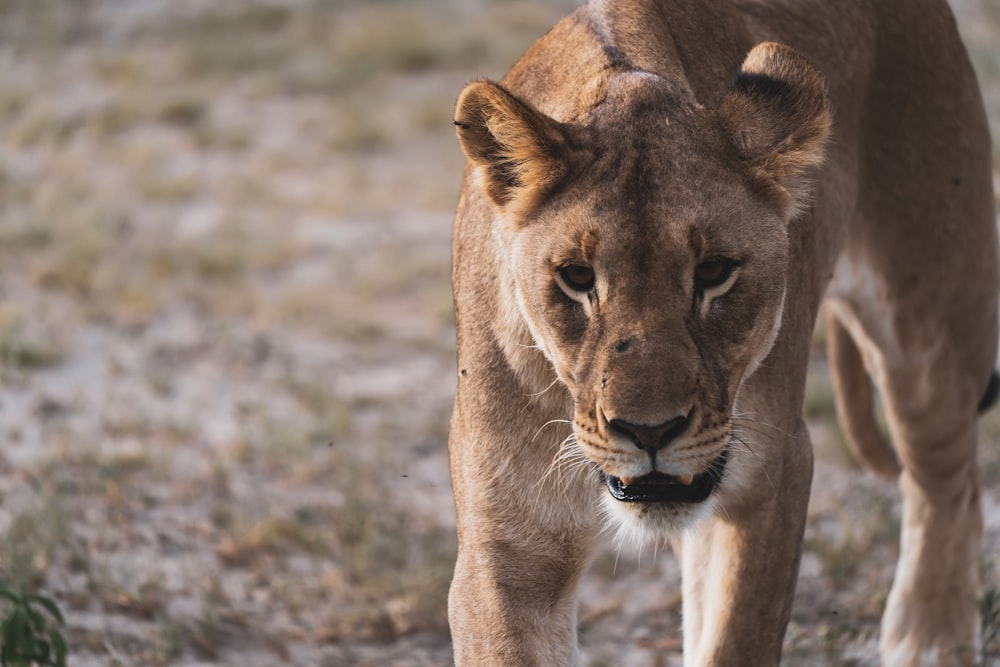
712, 273
577, 278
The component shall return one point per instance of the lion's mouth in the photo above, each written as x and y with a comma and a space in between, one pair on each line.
657, 487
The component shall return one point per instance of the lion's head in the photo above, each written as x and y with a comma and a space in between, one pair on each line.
646, 251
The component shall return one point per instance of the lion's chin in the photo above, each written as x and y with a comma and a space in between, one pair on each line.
656, 506
650, 523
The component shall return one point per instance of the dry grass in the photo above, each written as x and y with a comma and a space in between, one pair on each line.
226, 343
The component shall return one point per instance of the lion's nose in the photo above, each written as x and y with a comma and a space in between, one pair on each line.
651, 438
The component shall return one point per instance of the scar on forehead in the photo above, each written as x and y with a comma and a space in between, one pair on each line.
588, 244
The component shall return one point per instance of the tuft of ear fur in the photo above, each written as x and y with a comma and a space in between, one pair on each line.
777, 115
520, 152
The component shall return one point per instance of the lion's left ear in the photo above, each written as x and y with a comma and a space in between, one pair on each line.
777, 115
520, 151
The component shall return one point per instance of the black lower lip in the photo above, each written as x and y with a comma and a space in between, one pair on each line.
659, 488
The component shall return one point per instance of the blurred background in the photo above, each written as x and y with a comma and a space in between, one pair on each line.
227, 347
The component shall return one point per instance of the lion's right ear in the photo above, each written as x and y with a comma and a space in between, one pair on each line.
777, 115
520, 152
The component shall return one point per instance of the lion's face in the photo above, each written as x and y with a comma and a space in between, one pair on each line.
654, 285
649, 265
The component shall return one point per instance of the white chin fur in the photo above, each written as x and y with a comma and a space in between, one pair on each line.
652, 523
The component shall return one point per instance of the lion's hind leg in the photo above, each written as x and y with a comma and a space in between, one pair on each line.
931, 614
931, 389
916, 289
916, 295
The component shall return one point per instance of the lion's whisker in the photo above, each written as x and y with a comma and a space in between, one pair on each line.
759, 459
750, 418
570, 462
543, 391
551, 421
721, 509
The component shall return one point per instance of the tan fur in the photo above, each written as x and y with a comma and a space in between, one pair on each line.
656, 199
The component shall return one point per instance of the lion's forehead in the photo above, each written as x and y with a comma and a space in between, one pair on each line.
659, 189
602, 226
658, 157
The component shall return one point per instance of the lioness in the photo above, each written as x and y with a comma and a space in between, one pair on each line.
658, 196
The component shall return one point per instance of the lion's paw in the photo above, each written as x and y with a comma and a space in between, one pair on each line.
941, 631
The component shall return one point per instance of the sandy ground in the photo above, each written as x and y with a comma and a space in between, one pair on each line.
226, 345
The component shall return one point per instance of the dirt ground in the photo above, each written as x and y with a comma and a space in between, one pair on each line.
227, 347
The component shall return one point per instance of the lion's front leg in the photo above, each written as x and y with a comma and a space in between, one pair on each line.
524, 541
740, 566
513, 605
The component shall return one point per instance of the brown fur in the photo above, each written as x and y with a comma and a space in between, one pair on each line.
685, 155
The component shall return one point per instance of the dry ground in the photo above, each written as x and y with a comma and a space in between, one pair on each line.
226, 346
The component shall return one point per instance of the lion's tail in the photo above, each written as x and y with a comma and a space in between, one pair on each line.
854, 396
